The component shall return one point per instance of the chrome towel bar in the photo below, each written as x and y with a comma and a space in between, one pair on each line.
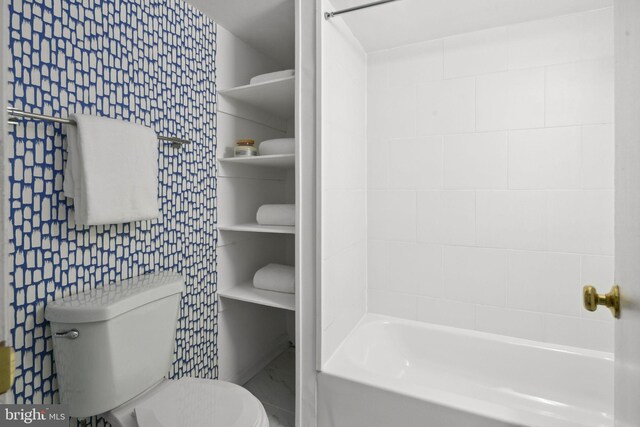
14, 114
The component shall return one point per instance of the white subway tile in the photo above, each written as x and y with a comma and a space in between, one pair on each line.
579, 93
416, 163
545, 42
475, 53
414, 268
343, 162
597, 270
545, 158
512, 219
598, 156
532, 274
510, 100
377, 71
514, 323
344, 212
446, 312
345, 278
332, 296
356, 266
447, 217
377, 164
475, 161
406, 267
475, 275
581, 221
378, 264
392, 215
446, 106
577, 332
392, 304
597, 34
524, 213
415, 63
391, 112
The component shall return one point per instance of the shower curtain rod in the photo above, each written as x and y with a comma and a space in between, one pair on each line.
15, 113
329, 15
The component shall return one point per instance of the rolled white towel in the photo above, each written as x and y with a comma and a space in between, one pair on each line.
277, 146
276, 277
276, 215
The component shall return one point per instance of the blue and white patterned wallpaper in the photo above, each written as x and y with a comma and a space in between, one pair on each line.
145, 61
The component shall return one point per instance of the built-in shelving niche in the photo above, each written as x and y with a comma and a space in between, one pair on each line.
255, 326
275, 98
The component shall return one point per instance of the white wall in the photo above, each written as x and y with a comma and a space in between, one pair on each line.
490, 179
342, 179
249, 335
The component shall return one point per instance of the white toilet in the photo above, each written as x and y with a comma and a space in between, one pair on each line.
113, 347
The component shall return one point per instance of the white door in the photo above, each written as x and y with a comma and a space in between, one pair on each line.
627, 206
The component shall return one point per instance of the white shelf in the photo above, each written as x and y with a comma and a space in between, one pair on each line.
276, 96
247, 293
273, 161
257, 228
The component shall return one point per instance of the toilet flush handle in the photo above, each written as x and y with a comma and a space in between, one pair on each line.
71, 334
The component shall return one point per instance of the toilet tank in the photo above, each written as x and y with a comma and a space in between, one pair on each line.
114, 342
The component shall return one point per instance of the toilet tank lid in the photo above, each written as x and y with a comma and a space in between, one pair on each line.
109, 301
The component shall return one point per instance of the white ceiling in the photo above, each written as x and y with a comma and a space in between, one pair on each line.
410, 21
267, 25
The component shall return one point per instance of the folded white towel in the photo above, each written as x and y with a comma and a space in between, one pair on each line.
277, 146
262, 78
111, 171
276, 215
276, 277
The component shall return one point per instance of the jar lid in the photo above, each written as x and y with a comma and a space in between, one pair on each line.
245, 142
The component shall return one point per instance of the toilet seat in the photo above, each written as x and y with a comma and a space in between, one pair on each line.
191, 402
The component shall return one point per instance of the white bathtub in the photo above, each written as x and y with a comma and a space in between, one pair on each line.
391, 372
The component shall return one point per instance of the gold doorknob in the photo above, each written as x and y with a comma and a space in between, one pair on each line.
7, 367
592, 299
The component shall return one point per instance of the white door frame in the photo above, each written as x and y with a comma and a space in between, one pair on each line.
6, 319
306, 259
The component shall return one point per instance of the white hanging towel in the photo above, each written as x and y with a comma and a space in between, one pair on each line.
276, 277
111, 171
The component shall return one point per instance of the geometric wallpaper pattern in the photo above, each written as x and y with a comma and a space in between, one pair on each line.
145, 61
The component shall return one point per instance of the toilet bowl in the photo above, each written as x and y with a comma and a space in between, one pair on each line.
191, 402
113, 347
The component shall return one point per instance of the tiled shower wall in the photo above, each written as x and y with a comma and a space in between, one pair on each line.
490, 179
119, 59
343, 180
